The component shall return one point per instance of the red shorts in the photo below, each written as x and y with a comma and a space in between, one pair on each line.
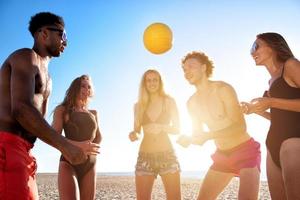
17, 168
245, 155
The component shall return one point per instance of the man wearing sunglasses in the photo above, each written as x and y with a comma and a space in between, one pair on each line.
25, 86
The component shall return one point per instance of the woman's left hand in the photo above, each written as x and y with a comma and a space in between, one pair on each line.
261, 104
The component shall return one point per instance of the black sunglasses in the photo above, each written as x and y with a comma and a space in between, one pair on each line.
254, 47
62, 33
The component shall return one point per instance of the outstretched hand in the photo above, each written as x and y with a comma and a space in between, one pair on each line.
200, 138
246, 107
77, 152
257, 105
74, 154
261, 104
88, 147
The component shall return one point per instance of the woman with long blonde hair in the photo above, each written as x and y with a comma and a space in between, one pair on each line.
156, 114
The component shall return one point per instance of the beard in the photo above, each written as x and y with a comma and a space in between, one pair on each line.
53, 51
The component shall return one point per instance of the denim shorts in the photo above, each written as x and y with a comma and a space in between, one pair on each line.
156, 163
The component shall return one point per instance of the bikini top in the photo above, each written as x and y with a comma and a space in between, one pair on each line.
80, 126
163, 118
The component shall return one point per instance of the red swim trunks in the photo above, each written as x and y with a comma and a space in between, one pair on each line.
17, 169
245, 155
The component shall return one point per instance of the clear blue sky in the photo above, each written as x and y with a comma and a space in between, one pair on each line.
105, 41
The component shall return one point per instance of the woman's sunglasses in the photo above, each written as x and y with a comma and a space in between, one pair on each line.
254, 47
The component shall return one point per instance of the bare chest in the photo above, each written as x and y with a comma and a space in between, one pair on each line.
43, 86
209, 108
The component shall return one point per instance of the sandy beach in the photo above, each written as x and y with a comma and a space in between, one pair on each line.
123, 188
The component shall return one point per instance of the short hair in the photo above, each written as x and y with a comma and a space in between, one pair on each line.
276, 42
41, 19
202, 58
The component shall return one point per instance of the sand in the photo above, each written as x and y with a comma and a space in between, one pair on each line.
123, 188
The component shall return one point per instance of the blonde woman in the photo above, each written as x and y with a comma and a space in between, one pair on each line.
156, 114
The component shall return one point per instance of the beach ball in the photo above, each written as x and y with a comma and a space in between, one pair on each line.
158, 38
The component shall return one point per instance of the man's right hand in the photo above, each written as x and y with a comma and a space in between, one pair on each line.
77, 152
74, 154
184, 140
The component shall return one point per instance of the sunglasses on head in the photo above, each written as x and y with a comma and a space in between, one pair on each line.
62, 33
254, 47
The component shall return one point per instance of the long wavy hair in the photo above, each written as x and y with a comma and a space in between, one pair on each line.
276, 42
73, 91
144, 98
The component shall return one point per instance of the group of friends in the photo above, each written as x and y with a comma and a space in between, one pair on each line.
25, 86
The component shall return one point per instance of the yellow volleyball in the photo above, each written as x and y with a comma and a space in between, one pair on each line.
158, 38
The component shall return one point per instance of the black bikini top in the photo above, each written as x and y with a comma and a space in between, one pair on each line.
163, 118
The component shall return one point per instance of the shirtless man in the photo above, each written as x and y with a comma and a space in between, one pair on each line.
24, 90
215, 105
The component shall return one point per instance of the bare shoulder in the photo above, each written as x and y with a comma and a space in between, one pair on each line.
24, 53
94, 112
224, 89
292, 66
292, 61
191, 100
59, 109
222, 86
135, 106
170, 100
59, 113
23, 58
292, 72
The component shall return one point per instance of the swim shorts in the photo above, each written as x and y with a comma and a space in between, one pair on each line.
17, 168
156, 163
245, 155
